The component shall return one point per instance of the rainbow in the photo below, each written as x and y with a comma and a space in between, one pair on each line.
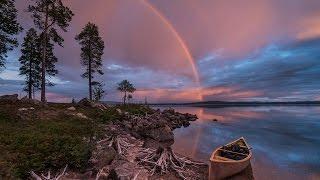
180, 40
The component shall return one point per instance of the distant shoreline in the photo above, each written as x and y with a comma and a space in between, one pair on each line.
218, 104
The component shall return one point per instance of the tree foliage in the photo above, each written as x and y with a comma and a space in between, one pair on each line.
125, 86
48, 15
30, 61
98, 91
9, 27
51, 59
92, 47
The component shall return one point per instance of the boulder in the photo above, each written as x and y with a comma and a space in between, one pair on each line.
125, 170
161, 134
119, 111
22, 109
30, 101
103, 157
99, 105
24, 98
85, 102
9, 98
71, 108
82, 116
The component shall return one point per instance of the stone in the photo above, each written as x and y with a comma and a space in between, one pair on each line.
80, 115
125, 170
103, 157
161, 134
24, 98
71, 108
99, 106
9, 98
119, 111
25, 109
30, 101
85, 102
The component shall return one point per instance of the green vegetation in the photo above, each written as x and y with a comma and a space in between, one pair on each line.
50, 138
125, 86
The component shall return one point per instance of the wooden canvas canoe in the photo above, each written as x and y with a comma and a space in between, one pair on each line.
222, 167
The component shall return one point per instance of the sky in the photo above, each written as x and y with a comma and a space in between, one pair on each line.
189, 50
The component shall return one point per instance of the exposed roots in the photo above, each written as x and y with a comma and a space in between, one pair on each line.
155, 161
120, 144
49, 176
163, 160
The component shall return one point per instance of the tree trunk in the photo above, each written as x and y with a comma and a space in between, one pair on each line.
30, 81
44, 58
90, 81
90, 77
124, 97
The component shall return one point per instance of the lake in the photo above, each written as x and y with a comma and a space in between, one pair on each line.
285, 139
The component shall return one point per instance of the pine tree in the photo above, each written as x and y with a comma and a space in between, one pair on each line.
125, 86
50, 67
98, 91
47, 15
8, 28
92, 47
30, 61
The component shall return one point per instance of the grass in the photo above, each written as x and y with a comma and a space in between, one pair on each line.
51, 140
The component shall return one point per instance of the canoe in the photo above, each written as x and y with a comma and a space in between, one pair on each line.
225, 162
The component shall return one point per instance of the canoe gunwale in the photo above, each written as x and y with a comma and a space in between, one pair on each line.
213, 159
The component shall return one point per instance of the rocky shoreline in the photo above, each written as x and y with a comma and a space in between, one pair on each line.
136, 137
135, 143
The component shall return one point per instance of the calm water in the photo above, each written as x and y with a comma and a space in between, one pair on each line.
285, 140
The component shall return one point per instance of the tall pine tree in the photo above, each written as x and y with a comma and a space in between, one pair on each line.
92, 47
49, 15
30, 62
8, 28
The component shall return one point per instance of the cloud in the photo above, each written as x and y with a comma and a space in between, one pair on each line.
245, 50
276, 73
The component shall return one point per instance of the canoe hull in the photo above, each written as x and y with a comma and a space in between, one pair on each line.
221, 168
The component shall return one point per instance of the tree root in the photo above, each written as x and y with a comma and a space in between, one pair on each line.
163, 160
155, 161
48, 177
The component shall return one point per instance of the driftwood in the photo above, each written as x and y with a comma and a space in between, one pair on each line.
49, 177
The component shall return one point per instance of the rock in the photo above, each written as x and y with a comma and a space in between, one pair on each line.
24, 98
99, 105
85, 102
119, 111
103, 156
125, 170
25, 109
161, 134
30, 101
80, 115
71, 108
9, 98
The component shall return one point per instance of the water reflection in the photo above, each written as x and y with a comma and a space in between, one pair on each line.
285, 140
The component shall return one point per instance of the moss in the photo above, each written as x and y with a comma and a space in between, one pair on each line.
50, 142
38, 144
